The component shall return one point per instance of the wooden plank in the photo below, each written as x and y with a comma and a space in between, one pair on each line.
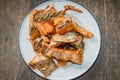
83, 2
12, 67
24, 72
98, 71
9, 61
113, 43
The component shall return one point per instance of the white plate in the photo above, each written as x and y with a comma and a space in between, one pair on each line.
92, 46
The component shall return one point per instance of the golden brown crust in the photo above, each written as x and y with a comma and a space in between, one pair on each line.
82, 31
34, 33
44, 28
61, 63
44, 64
70, 7
54, 36
65, 55
64, 27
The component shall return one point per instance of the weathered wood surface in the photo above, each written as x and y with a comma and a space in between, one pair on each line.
13, 12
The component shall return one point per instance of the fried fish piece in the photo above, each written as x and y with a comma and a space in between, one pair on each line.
37, 46
34, 33
45, 39
70, 37
44, 28
41, 15
62, 24
44, 64
57, 20
44, 14
73, 8
50, 12
54, 44
57, 39
50, 8
31, 17
74, 56
61, 63
64, 27
82, 31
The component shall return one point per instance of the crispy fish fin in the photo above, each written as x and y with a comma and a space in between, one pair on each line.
73, 8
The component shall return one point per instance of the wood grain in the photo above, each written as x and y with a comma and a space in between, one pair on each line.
98, 71
13, 12
113, 39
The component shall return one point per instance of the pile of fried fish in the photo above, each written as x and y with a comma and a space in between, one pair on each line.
56, 37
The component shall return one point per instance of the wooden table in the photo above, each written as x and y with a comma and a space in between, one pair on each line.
12, 14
